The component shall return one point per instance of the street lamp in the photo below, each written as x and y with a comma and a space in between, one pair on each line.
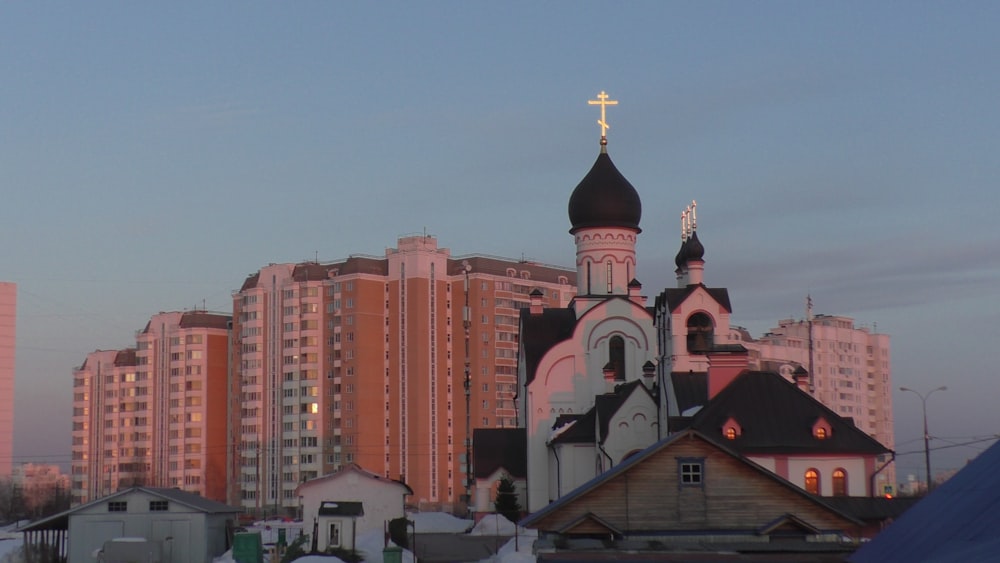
927, 436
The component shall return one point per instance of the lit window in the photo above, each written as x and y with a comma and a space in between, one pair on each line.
839, 483
730, 433
821, 433
812, 481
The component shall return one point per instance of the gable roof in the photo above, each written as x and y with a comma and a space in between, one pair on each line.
777, 417
642, 456
191, 500
690, 389
673, 297
500, 448
351, 468
540, 332
598, 417
957, 521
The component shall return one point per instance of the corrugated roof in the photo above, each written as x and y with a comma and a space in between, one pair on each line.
957, 521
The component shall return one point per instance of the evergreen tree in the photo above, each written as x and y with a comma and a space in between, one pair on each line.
506, 503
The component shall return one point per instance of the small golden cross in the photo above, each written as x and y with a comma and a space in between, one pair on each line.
603, 101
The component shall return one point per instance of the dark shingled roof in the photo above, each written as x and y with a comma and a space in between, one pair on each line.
496, 448
605, 407
874, 509
498, 267
604, 198
690, 388
125, 357
777, 417
539, 333
202, 319
672, 297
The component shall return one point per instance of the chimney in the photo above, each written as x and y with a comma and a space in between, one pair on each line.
634, 289
801, 378
536, 301
649, 374
609, 376
724, 366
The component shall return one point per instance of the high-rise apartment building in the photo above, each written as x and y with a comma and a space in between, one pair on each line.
158, 414
8, 323
849, 366
364, 360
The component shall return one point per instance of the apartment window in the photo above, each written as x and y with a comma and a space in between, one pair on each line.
118, 506
691, 472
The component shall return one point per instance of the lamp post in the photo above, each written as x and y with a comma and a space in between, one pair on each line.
927, 436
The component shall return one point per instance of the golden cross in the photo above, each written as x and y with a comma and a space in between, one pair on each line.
603, 101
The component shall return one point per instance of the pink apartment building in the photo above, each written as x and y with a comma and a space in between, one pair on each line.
158, 414
8, 318
363, 361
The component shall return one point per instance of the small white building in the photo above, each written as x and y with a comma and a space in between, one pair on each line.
349, 503
185, 526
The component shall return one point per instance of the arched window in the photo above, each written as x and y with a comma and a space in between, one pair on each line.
821, 433
616, 356
812, 481
839, 483
730, 433
700, 333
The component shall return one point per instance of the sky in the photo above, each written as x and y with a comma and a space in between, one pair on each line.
152, 155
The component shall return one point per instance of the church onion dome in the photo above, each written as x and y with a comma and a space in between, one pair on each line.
693, 249
604, 198
681, 257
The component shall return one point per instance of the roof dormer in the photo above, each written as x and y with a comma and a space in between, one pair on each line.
821, 429
731, 429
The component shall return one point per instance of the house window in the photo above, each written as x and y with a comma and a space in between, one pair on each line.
839, 483
821, 433
700, 333
812, 481
334, 535
158, 506
730, 433
118, 506
690, 472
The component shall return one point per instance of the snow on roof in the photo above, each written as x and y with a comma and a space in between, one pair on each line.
557, 431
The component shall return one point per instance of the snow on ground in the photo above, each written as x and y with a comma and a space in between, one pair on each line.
438, 523
9, 548
370, 544
495, 525
523, 554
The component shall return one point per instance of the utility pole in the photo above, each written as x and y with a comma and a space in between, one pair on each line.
927, 436
467, 324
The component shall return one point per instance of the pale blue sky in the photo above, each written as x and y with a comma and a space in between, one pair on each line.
151, 156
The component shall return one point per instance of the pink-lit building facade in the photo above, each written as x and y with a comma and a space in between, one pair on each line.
8, 324
363, 361
159, 414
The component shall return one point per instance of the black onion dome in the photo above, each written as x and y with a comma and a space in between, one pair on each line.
681, 257
604, 198
693, 249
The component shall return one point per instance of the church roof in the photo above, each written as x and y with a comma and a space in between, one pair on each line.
690, 388
597, 418
500, 448
673, 297
604, 198
540, 332
776, 416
